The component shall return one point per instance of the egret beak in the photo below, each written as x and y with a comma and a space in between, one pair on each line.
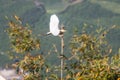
62, 30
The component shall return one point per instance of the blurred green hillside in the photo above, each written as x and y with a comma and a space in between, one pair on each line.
72, 13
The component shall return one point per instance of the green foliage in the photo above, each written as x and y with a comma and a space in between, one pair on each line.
75, 15
34, 66
21, 37
91, 60
85, 45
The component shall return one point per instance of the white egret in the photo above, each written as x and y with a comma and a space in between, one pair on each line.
56, 31
54, 26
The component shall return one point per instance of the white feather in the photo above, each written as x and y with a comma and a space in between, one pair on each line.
54, 25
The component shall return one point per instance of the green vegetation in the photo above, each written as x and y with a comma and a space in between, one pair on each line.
21, 37
89, 56
93, 14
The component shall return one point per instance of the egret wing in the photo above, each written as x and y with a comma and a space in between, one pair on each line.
54, 25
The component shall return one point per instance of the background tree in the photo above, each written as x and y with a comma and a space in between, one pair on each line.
90, 56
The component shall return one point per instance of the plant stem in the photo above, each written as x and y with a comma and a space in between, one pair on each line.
62, 61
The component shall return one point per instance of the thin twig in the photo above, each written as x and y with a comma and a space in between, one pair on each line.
62, 52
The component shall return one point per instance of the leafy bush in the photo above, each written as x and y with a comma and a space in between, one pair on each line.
91, 60
90, 56
21, 37
34, 67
